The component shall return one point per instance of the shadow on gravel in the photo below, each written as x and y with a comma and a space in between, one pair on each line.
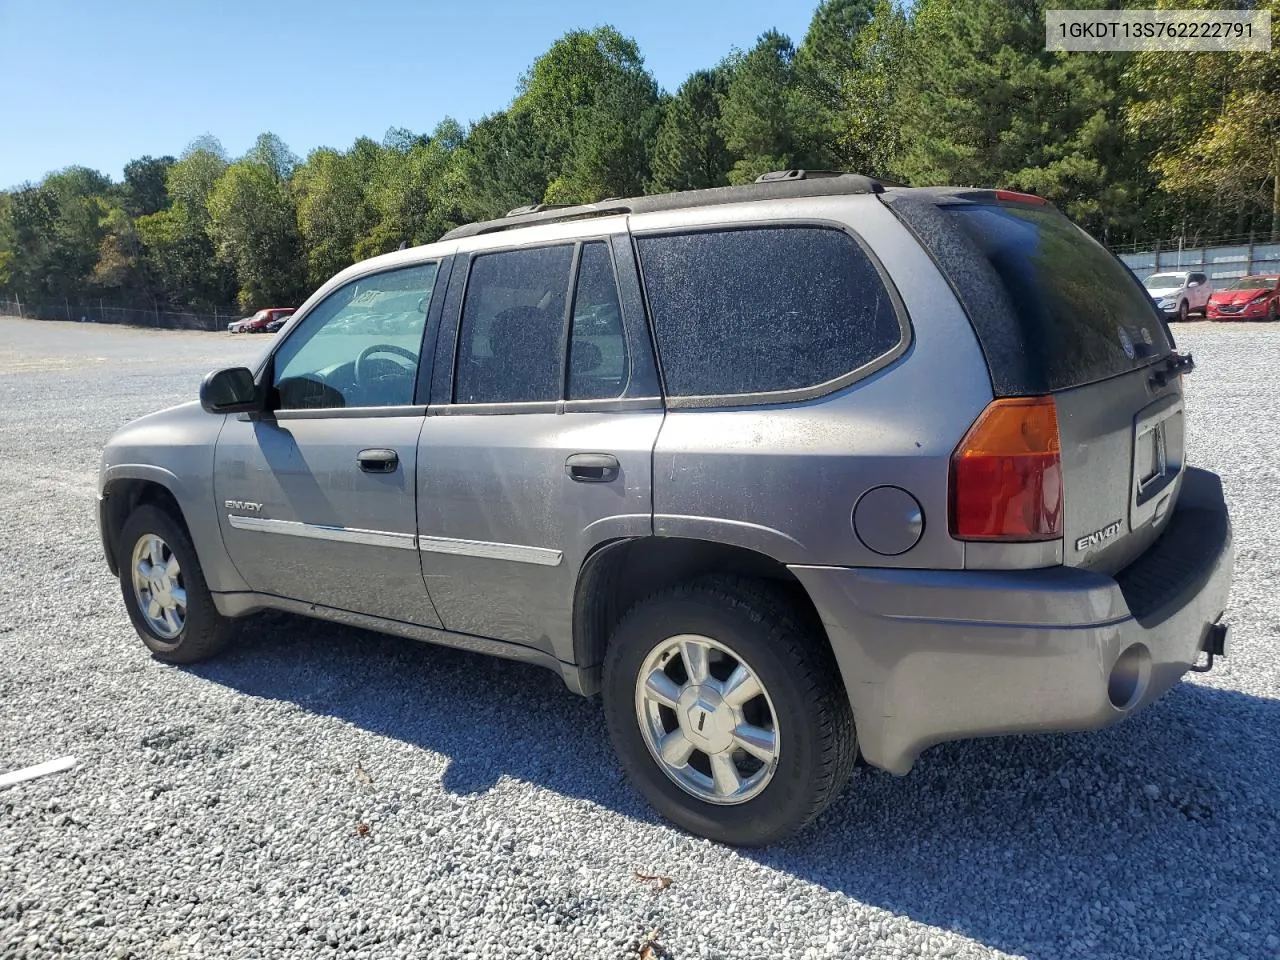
1158, 837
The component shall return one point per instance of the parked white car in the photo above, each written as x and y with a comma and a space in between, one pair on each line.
1180, 294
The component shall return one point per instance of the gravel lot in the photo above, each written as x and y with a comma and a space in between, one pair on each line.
327, 792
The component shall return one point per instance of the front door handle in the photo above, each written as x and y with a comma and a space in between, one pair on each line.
378, 460
592, 467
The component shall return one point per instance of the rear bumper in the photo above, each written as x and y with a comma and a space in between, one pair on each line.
929, 656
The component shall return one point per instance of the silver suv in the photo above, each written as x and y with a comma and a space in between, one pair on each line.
788, 472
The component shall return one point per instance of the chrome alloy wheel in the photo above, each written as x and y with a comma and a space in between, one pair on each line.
158, 587
707, 719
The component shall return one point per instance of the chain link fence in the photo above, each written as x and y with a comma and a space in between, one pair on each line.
1195, 241
99, 311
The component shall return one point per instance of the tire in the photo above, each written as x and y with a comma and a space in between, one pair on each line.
1271, 312
802, 705
1183, 311
202, 631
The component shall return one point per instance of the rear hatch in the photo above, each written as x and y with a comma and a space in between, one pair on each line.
1057, 314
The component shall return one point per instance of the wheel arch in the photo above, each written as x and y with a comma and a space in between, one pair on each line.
122, 495
618, 574
125, 487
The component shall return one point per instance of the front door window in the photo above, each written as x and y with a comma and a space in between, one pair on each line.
360, 347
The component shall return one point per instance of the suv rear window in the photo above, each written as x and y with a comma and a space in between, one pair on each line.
1051, 307
759, 310
1080, 309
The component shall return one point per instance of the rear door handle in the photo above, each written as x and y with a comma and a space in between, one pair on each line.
378, 460
592, 467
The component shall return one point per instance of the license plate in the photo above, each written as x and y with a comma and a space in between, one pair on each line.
1153, 463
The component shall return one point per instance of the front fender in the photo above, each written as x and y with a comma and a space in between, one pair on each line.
194, 497
174, 450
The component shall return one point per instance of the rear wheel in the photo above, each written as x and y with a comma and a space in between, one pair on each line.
726, 712
164, 589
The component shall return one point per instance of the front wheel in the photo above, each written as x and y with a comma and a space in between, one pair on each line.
164, 589
1272, 312
726, 712
1183, 311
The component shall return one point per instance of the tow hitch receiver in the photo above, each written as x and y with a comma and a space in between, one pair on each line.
1214, 644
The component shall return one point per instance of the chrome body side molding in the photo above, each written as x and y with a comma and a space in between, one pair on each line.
518, 553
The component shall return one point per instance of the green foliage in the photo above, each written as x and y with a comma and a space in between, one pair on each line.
928, 91
120, 254
254, 227
53, 231
689, 152
178, 251
866, 94
191, 179
989, 106
827, 63
332, 212
1219, 119
766, 119
594, 110
31, 217
270, 151
501, 166
145, 189
411, 191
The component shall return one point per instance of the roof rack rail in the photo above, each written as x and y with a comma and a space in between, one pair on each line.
785, 184
535, 208
775, 176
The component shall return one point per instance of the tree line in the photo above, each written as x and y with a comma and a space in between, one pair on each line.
1134, 147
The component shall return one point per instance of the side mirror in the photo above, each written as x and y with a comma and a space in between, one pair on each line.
1194, 283
230, 391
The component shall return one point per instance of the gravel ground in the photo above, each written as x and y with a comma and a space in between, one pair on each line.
327, 792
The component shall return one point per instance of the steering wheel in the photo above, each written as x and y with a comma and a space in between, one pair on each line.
361, 371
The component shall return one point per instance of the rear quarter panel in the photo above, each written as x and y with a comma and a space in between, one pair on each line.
783, 479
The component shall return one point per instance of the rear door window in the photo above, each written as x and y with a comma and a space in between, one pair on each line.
753, 312
598, 360
510, 346
1080, 314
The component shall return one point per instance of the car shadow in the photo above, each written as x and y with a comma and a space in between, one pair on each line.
1153, 838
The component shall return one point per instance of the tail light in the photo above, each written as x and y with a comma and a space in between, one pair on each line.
1006, 474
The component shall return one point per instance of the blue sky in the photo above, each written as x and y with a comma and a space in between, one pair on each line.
99, 83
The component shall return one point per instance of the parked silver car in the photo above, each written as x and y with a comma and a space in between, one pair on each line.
787, 472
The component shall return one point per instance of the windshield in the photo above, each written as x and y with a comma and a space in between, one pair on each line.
1254, 283
1164, 280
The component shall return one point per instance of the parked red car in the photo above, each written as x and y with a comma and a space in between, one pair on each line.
258, 322
1249, 298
